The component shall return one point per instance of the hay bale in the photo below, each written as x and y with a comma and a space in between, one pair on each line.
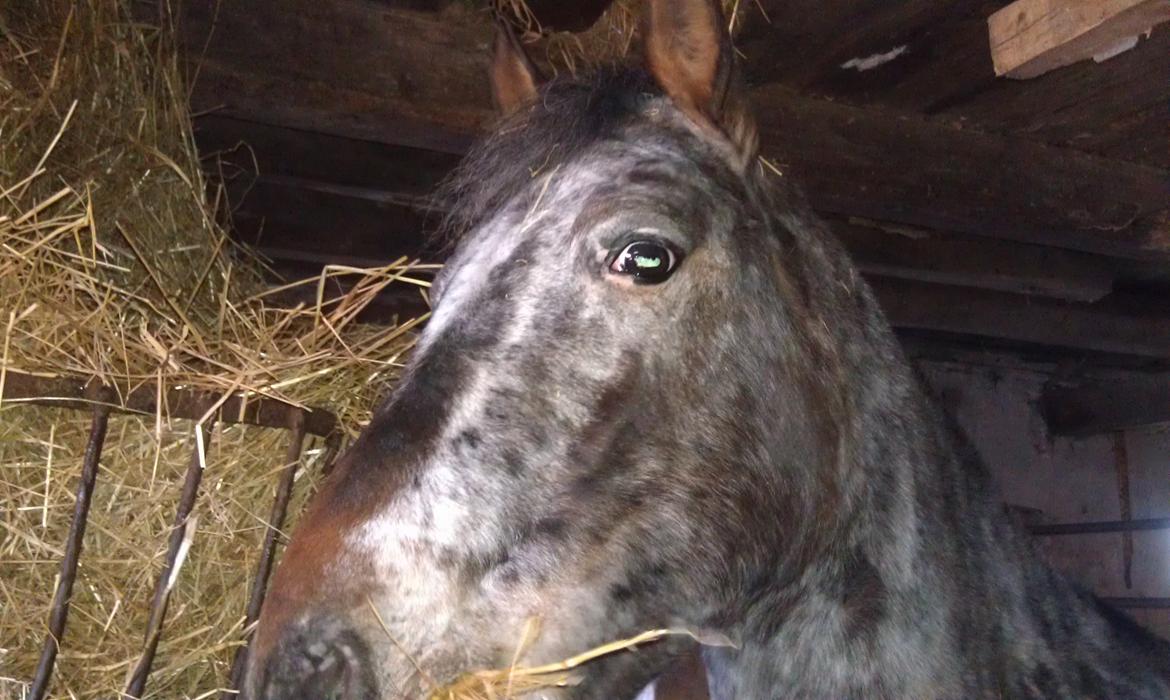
114, 264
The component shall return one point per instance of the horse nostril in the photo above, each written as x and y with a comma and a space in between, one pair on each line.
315, 665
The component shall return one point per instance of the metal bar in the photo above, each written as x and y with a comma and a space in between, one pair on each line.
1139, 603
1101, 526
190, 404
1121, 466
268, 552
162, 589
61, 598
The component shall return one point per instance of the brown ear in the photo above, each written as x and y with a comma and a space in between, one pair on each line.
513, 76
689, 53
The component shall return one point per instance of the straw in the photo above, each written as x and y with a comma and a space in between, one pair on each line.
115, 263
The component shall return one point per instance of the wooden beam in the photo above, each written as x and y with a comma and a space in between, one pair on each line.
390, 174
912, 254
410, 79
919, 172
1031, 37
357, 69
910, 54
1097, 328
326, 225
1117, 109
1099, 405
267, 149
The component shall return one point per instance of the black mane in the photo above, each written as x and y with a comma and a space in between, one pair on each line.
569, 115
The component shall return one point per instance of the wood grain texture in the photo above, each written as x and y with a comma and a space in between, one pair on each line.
1098, 328
1031, 37
408, 79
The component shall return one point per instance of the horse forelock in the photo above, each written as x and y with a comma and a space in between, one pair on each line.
569, 115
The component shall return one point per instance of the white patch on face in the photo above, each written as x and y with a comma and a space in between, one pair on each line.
485, 252
487, 249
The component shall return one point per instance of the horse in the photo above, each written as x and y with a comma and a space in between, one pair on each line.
655, 393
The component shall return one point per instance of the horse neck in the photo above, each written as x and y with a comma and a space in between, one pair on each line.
904, 542
926, 589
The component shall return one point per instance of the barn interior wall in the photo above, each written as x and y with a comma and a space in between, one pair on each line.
1068, 479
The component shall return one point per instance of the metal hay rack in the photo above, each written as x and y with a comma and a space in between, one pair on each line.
101, 401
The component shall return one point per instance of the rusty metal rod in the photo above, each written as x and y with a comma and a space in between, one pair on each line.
61, 598
268, 552
191, 404
1101, 526
1121, 466
162, 589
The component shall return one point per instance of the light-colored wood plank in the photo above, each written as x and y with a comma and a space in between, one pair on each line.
1031, 37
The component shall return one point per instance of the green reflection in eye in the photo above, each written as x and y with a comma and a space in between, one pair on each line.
647, 262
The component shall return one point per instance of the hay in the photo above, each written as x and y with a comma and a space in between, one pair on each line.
114, 264
517, 681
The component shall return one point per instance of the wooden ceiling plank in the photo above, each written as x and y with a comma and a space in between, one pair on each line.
252, 147
1032, 37
943, 66
332, 108
1089, 327
417, 80
911, 171
1119, 108
324, 223
915, 171
983, 264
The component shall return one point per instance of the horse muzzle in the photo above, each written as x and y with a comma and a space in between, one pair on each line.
318, 660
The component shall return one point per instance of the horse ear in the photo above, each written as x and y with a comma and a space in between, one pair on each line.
689, 53
513, 76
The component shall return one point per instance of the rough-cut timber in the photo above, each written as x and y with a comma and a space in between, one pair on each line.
916, 171
252, 147
1119, 109
1089, 327
1103, 405
355, 68
407, 79
1031, 37
981, 263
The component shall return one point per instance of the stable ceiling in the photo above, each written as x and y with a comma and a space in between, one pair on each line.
1032, 215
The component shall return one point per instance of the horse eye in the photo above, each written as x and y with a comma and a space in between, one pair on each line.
646, 261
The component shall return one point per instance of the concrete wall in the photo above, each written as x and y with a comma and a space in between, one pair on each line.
1070, 480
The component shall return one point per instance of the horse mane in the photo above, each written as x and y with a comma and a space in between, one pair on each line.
569, 115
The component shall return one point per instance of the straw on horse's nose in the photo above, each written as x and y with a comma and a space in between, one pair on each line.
319, 662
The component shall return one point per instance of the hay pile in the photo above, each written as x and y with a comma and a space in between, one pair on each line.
114, 264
